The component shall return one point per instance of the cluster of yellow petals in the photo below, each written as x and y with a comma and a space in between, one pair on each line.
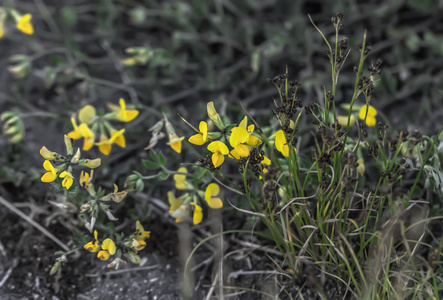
202, 136
105, 143
122, 114
219, 150
52, 173
105, 249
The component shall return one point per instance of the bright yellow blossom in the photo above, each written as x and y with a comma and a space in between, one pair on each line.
198, 214
104, 145
82, 131
239, 136
51, 175
108, 249
201, 137
123, 115
219, 151
93, 246
24, 24
251, 140
68, 179
370, 117
211, 194
176, 142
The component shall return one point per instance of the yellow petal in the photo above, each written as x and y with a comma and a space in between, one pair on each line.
372, 112
215, 203
243, 123
203, 127
198, 215
49, 155
253, 141
212, 189
48, 177
103, 255
371, 121
196, 139
217, 159
86, 114
239, 135
280, 143
109, 245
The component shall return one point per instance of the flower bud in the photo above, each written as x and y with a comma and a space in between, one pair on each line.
90, 163
68, 144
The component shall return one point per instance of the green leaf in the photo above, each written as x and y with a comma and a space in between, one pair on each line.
161, 159
151, 165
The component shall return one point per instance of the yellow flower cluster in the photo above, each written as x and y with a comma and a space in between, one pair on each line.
64, 170
179, 207
104, 249
91, 126
123, 246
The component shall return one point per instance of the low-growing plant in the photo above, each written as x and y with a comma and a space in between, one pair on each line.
349, 208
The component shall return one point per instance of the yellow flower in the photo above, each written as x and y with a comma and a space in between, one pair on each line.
48, 155
219, 151
93, 246
281, 144
51, 175
178, 211
104, 145
198, 215
118, 196
82, 131
176, 143
370, 117
343, 120
180, 180
251, 140
123, 115
211, 193
239, 136
68, 179
24, 24
108, 249
201, 137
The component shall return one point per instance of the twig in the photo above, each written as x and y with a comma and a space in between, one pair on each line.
33, 223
